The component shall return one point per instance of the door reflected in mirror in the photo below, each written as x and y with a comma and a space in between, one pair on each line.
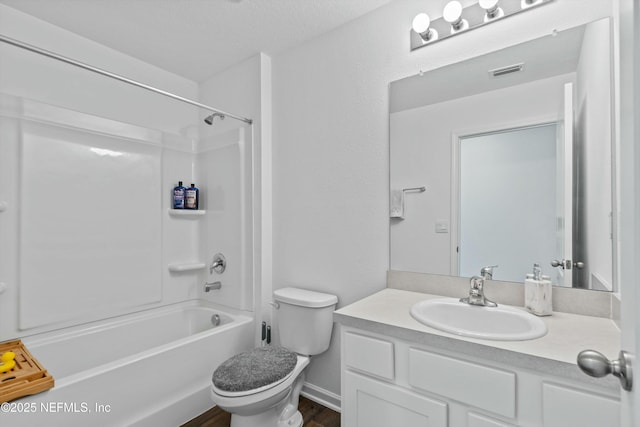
518, 167
507, 200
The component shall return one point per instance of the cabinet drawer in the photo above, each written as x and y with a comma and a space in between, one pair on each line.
371, 355
565, 407
491, 389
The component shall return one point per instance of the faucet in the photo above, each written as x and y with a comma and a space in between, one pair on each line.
476, 293
210, 286
487, 272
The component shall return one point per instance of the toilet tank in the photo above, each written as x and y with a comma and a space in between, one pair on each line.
305, 319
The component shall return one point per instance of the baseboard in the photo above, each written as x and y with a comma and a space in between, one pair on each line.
322, 396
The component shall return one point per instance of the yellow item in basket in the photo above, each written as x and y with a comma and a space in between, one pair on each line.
7, 361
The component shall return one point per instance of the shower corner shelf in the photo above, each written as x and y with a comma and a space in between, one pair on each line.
186, 212
186, 266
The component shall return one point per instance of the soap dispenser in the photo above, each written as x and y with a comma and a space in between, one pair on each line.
537, 293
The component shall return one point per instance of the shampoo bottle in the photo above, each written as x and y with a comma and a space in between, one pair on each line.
191, 197
537, 293
178, 196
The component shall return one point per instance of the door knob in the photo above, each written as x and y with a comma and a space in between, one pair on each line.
564, 264
597, 365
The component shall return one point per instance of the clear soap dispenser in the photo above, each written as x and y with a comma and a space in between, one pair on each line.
537, 293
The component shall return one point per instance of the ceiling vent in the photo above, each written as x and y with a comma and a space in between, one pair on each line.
507, 70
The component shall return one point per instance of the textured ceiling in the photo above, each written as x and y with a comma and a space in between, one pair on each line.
197, 38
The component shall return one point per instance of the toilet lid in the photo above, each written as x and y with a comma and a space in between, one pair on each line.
253, 369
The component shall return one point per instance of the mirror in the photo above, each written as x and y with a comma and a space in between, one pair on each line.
514, 149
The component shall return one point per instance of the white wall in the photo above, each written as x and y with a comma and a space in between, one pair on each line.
330, 143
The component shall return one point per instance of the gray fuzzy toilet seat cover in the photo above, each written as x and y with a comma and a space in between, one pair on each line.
255, 368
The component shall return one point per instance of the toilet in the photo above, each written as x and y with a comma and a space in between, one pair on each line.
261, 387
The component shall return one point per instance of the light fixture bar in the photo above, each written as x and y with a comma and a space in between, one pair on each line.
476, 16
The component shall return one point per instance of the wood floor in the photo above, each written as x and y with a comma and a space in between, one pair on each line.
313, 414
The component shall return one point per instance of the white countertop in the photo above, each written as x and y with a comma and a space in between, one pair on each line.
387, 312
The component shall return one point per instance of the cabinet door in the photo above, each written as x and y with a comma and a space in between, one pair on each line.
473, 384
371, 403
567, 407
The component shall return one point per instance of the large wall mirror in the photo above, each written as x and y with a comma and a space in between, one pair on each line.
515, 152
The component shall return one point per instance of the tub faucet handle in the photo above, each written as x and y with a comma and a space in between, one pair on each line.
219, 264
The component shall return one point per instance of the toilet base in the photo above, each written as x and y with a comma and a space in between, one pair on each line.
267, 418
294, 421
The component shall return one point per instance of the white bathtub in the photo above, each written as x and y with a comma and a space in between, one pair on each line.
151, 368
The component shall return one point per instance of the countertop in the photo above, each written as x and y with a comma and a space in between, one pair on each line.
387, 312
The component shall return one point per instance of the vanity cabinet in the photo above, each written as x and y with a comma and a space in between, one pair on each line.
388, 381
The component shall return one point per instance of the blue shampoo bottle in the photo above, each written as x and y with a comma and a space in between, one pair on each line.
179, 196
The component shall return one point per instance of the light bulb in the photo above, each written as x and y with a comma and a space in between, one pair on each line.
528, 3
421, 25
488, 4
452, 13
492, 9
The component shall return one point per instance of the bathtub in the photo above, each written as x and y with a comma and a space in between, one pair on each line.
152, 368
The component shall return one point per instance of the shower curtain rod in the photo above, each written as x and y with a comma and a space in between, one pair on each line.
115, 76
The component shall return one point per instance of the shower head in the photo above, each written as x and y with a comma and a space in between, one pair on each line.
209, 119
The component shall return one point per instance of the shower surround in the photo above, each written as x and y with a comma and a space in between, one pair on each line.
89, 243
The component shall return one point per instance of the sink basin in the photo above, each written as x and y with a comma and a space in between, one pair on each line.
500, 323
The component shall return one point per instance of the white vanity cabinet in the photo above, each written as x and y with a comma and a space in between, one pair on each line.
374, 398
387, 381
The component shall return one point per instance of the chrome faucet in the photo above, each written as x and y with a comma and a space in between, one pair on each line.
211, 286
476, 293
487, 272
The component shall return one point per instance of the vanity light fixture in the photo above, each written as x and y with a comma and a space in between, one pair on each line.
452, 13
457, 19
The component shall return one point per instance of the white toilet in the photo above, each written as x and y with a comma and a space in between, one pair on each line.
261, 387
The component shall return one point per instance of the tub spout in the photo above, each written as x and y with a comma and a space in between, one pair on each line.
211, 286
